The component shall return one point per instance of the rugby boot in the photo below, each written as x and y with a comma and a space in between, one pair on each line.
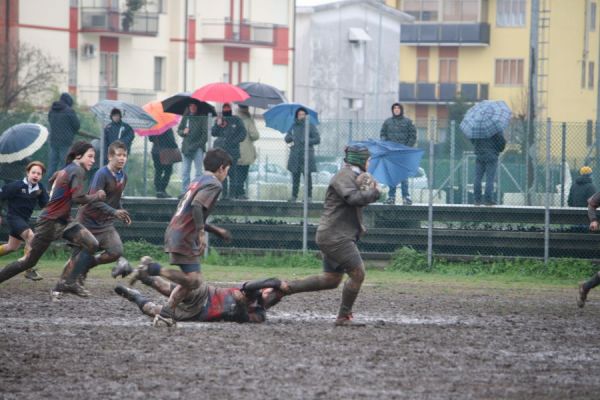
76, 289
160, 321
122, 268
347, 320
583, 292
141, 272
33, 275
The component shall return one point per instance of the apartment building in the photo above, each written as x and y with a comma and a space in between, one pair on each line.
141, 50
480, 49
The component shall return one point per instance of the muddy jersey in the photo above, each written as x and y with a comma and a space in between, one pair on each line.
68, 184
212, 304
181, 235
100, 215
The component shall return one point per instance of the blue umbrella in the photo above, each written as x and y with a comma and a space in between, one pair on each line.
391, 162
21, 141
282, 116
133, 114
485, 119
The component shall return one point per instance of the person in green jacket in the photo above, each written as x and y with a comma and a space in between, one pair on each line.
194, 131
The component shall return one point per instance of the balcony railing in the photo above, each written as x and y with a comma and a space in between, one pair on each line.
236, 32
442, 93
106, 19
475, 34
90, 95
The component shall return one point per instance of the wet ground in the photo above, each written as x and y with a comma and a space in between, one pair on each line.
422, 341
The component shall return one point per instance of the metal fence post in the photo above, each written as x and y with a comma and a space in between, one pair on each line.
563, 163
432, 129
145, 166
452, 155
350, 130
306, 172
547, 194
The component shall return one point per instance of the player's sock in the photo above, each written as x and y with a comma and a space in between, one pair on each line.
348, 297
132, 295
592, 282
3, 250
83, 261
311, 284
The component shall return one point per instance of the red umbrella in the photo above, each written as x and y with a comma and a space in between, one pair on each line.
220, 92
164, 120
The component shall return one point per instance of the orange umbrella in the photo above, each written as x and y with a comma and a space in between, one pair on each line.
165, 120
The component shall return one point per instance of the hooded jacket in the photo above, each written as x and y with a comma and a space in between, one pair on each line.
399, 129
63, 120
581, 191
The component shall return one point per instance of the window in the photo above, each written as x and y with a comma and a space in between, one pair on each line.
109, 69
509, 72
73, 67
591, 75
422, 70
592, 17
510, 13
159, 73
422, 10
461, 10
583, 71
448, 70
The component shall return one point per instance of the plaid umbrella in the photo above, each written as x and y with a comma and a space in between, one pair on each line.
133, 114
485, 119
21, 141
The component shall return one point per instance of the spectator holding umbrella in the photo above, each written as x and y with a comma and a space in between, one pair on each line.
247, 153
401, 130
64, 124
117, 129
295, 137
230, 131
194, 131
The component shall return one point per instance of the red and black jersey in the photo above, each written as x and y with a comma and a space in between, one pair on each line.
99, 216
67, 184
181, 235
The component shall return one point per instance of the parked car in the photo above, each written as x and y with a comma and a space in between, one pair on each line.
268, 173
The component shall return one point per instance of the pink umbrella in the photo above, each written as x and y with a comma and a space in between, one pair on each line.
165, 120
220, 92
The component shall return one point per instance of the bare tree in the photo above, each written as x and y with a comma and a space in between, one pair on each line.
26, 72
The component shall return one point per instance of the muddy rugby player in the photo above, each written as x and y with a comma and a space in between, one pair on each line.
99, 218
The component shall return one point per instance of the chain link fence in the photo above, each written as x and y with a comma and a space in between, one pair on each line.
532, 218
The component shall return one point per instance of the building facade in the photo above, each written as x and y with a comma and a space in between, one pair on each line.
347, 58
480, 49
138, 51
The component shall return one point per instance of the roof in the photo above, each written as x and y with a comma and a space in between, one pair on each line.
336, 4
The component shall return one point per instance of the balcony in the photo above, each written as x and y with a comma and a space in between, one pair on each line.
90, 95
442, 93
111, 20
475, 34
236, 33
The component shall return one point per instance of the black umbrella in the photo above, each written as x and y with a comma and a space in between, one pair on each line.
261, 95
178, 104
21, 141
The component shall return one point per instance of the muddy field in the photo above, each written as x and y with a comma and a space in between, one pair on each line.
422, 341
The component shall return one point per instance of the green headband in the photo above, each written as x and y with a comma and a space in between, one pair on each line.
357, 155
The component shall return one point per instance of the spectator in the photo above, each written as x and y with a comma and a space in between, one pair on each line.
162, 148
295, 137
230, 131
194, 131
64, 124
247, 153
401, 130
582, 189
486, 162
117, 130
